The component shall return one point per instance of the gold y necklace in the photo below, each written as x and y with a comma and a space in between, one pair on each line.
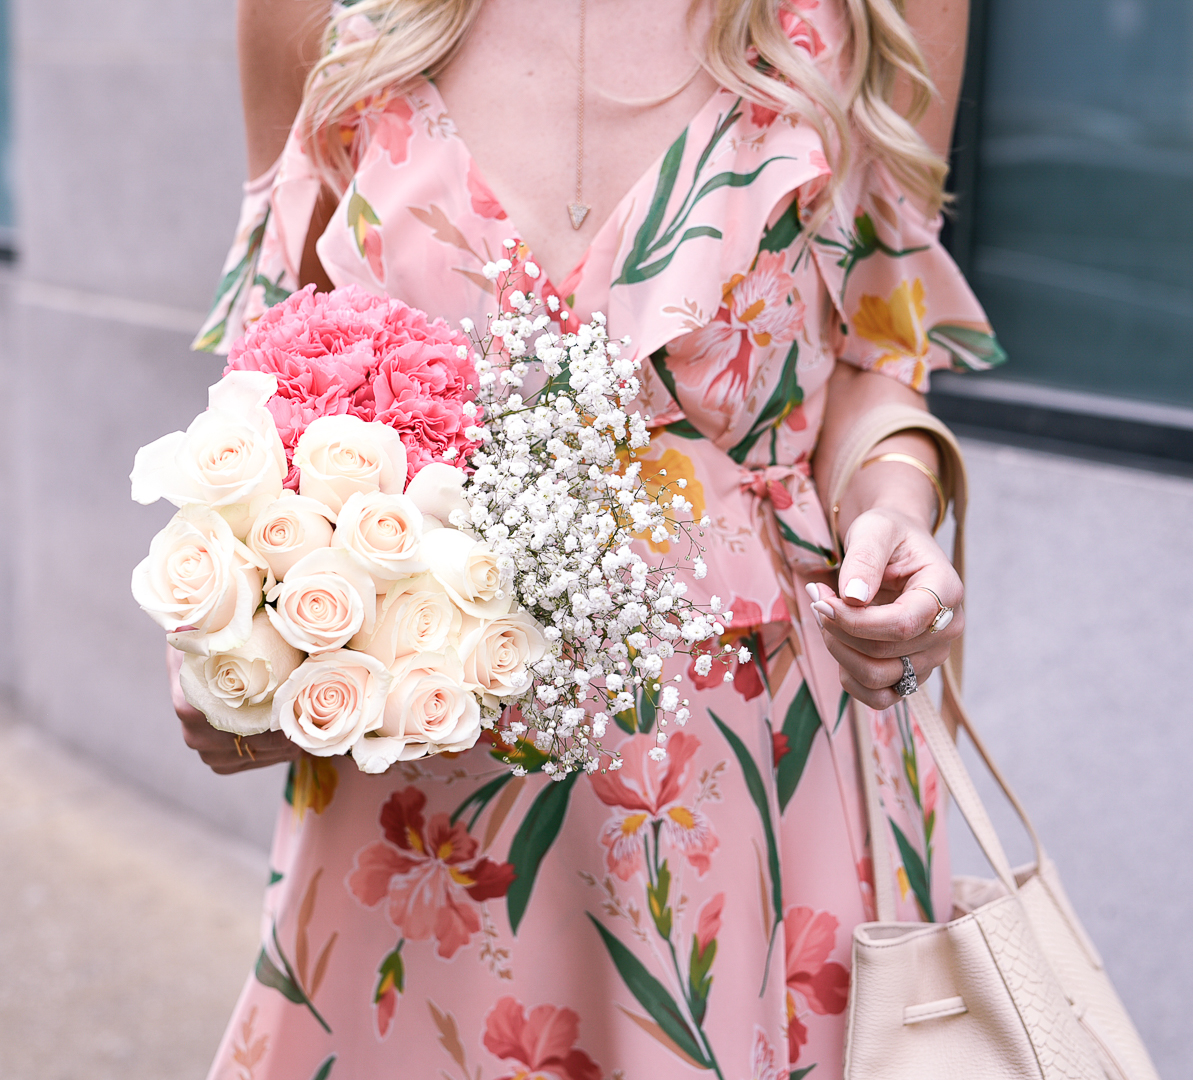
578, 210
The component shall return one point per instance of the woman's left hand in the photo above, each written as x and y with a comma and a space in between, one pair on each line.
890, 563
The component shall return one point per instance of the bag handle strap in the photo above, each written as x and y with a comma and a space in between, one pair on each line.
879, 424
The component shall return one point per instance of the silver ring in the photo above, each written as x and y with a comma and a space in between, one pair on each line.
943, 617
908, 684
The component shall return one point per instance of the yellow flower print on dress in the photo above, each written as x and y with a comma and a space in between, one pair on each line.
663, 472
313, 785
897, 325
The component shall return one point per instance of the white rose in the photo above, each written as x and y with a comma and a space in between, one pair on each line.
338, 455
230, 457
234, 689
497, 655
467, 568
327, 597
437, 490
428, 711
287, 529
384, 531
415, 616
330, 701
200, 583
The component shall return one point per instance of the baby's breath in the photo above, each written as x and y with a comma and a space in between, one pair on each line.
557, 492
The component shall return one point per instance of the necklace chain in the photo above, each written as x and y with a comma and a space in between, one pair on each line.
578, 210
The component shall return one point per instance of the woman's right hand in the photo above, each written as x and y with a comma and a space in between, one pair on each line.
222, 751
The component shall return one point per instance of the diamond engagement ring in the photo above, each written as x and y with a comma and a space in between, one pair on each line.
907, 684
943, 617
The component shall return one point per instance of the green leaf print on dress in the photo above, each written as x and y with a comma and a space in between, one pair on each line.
652, 995
229, 288
799, 729
972, 348
757, 790
656, 244
916, 872
860, 244
285, 982
533, 840
657, 827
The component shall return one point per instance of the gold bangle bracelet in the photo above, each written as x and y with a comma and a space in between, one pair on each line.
915, 463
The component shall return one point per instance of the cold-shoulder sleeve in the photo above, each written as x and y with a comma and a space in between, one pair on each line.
262, 266
903, 306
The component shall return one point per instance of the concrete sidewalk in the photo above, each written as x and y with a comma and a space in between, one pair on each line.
126, 928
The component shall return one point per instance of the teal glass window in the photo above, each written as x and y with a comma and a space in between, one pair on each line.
1079, 223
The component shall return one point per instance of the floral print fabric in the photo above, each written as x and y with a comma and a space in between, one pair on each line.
689, 915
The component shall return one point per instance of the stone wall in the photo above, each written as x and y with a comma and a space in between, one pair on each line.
129, 162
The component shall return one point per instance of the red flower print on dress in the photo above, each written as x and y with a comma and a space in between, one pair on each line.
382, 120
708, 925
748, 677
648, 791
764, 1063
427, 873
484, 202
760, 308
803, 35
764, 302
542, 1044
823, 983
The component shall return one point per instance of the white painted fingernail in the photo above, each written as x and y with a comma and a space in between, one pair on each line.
813, 591
821, 608
819, 620
857, 590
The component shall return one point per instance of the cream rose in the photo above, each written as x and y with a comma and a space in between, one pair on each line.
497, 655
467, 568
200, 583
339, 455
230, 457
415, 616
327, 597
428, 711
384, 531
234, 689
331, 700
287, 529
438, 489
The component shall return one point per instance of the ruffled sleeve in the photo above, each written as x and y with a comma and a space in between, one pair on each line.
262, 267
903, 305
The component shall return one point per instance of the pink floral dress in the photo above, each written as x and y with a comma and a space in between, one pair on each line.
691, 915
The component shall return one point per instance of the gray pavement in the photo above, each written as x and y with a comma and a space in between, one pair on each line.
126, 927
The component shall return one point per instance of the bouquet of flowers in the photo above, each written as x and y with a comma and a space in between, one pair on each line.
393, 536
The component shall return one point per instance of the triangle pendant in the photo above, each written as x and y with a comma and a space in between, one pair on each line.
578, 212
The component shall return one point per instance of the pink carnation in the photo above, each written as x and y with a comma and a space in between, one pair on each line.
349, 351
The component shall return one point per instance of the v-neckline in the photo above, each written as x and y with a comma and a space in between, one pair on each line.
617, 214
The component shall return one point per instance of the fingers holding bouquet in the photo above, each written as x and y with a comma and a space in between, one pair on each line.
899, 611
223, 751
345, 576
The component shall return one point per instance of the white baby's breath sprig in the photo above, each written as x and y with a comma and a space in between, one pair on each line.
557, 492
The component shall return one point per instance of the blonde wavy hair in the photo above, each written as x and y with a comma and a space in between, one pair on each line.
417, 38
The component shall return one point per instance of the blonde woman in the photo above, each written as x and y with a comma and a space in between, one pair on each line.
738, 184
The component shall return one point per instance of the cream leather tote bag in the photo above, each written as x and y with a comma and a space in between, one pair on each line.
1011, 988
